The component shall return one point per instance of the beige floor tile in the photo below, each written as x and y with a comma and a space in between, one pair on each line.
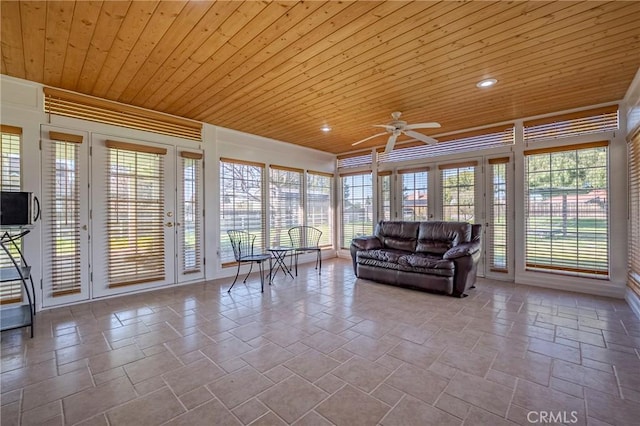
411, 411
269, 419
226, 350
305, 329
533, 367
477, 416
418, 355
154, 408
452, 405
94, 400
250, 410
585, 376
351, 407
312, 419
115, 358
534, 397
211, 413
240, 386
324, 341
419, 383
42, 414
480, 392
187, 378
292, 398
267, 357
465, 360
55, 388
362, 373
196, 397
555, 350
151, 366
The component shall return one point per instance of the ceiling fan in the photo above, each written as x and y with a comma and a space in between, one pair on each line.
398, 127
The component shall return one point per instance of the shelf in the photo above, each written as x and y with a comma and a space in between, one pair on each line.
10, 273
15, 317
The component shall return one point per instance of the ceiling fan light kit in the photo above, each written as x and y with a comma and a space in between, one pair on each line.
399, 127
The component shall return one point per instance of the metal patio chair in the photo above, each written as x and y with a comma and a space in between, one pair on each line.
306, 239
242, 243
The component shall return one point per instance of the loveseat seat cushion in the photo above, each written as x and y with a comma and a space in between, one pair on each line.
439, 237
404, 261
428, 264
383, 255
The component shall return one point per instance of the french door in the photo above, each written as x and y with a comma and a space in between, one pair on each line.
133, 215
65, 216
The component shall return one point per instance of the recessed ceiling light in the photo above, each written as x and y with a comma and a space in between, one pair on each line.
487, 83
326, 128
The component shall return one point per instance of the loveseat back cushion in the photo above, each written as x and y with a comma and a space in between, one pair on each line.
438, 236
398, 235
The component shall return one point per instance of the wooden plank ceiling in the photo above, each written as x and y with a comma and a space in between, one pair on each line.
284, 69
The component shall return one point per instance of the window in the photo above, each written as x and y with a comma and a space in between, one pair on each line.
190, 231
135, 214
384, 200
62, 265
10, 180
634, 213
415, 194
357, 215
319, 213
498, 230
566, 214
458, 191
241, 203
285, 203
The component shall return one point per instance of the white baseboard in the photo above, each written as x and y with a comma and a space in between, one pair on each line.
633, 300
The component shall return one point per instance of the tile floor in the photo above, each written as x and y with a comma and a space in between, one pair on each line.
327, 350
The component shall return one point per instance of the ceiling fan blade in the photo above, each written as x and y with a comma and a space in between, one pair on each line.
420, 137
366, 139
390, 143
385, 126
432, 125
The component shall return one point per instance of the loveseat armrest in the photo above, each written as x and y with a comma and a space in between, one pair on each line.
464, 249
370, 242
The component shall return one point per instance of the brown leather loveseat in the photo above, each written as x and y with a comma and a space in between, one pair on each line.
434, 255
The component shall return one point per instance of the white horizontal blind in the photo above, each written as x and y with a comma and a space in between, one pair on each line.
10, 180
574, 124
384, 199
361, 159
241, 204
415, 194
62, 242
453, 144
634, 213
69, 104
567, 209
458, 191
190, 234
285, 203
499, 214
135, 214
319, 211
357, 206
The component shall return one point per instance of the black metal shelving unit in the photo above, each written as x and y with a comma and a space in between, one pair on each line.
19, 316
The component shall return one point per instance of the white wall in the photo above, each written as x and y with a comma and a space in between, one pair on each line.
22, 105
